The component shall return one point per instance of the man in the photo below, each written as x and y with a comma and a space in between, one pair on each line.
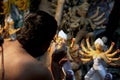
19, 62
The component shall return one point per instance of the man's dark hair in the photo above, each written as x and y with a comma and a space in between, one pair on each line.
34, 5
37, 32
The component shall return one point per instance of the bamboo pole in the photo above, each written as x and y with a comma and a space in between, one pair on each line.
59, 11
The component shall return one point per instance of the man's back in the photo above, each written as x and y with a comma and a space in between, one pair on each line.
19, 61
19, 65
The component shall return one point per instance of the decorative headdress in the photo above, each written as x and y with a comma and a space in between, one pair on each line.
99, 41
62, 34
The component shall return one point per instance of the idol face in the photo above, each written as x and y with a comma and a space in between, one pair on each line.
98, 46
84, 8
5, 8
21, 4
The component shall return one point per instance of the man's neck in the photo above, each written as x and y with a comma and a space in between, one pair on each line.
11, 46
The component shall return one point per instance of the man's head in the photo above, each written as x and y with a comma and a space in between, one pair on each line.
37, 32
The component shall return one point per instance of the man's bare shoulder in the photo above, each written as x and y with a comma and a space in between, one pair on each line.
19, 65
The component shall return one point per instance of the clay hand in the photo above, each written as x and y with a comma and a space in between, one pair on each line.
119, 58
112, 43
98, 8
87, 39
76, 47
118, 50
52, 48
72, 43
73, 39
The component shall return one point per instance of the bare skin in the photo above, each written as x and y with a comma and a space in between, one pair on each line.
19, 65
